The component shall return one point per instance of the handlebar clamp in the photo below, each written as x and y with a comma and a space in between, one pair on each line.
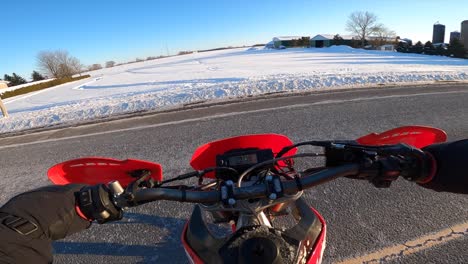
227, 193
274, 188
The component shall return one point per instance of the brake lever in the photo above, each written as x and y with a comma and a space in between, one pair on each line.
143, 180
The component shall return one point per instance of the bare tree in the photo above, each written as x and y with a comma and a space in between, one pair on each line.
58, 63
383, 36
47, 63
76, 66
363, 24
110, 64
94, 67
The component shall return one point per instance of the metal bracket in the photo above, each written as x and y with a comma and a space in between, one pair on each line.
274, 187
227, 193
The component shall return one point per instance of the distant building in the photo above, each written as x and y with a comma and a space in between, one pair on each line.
454, 35
326, 40
437, 45
438, 33
464, 33
3, 84
286, 41
405, 41
270, 45
387, 47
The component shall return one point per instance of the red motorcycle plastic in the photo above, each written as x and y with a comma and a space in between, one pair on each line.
250, 182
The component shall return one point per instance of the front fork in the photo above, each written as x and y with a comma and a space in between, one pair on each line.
251, 220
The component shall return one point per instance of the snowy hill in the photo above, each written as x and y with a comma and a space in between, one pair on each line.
168, 82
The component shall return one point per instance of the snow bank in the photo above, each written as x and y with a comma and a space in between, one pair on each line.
170, 82
342, 48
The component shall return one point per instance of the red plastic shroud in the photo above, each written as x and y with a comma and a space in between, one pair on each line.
96, 170
417, 136
318, 247
195, 259
205, 156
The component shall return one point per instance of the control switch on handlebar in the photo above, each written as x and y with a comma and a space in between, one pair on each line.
95, 203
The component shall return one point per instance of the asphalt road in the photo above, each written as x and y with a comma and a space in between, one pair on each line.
361, 219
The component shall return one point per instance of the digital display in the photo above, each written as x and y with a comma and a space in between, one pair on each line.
249, 159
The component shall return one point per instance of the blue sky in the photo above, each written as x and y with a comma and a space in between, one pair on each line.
100, 30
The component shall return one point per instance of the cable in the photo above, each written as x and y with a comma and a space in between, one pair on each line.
205, 171
198, 174
313, 143
259, 165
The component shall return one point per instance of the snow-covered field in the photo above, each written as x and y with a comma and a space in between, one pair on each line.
169, 82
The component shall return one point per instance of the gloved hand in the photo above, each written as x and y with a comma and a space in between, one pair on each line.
31, 220
451, 160
385, 164
51, 209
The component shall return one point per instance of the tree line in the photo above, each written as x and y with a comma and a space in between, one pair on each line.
60, 64
56, 64
15, 79
366, 27
454, 49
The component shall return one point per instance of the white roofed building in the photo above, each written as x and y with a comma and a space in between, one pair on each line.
406, 40
270, 45
387, 47
326, 40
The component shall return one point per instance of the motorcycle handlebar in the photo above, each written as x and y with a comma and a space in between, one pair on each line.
143, 196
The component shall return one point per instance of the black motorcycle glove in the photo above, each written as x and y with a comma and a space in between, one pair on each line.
451, 174
381, 166
30, 221
51, 209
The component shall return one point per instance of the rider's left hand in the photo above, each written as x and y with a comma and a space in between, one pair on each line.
48, 212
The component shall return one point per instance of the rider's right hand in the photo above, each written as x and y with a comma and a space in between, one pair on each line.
95, 203
451, 174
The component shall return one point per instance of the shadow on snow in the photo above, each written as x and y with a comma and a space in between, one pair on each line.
177, 82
